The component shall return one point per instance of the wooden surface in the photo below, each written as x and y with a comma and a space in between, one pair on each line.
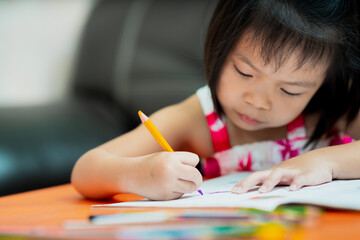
49, 208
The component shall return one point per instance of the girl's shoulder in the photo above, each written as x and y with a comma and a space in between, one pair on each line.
353, 129
190, 125
310, 122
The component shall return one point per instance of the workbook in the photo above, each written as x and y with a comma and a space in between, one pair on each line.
343, 194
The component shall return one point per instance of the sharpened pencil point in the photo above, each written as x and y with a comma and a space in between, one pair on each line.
142, 116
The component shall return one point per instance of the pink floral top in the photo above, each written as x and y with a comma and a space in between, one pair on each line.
254, 156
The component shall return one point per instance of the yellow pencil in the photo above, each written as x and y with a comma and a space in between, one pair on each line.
157, 135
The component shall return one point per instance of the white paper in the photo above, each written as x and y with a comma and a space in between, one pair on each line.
343, 194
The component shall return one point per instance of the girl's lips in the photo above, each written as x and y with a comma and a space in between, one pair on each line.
249, 120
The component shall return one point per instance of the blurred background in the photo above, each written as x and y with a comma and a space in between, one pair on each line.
39, 40
74, 73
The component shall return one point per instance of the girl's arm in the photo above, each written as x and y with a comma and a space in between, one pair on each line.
135, 163
311, 168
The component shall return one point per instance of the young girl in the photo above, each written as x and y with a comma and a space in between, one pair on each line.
283, 82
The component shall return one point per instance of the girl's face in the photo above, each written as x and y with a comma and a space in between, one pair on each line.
255, 95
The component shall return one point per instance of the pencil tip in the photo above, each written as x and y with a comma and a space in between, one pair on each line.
142, 116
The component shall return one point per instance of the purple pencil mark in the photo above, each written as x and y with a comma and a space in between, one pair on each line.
218, 192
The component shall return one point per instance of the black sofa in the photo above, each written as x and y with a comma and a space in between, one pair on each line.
134, 55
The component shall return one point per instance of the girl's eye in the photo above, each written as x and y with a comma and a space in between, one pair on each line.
241, 73
290, 93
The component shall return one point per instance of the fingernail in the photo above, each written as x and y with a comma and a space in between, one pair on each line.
263, 189
236, 190
293, 187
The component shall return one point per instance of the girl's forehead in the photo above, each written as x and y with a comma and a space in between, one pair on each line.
249, 49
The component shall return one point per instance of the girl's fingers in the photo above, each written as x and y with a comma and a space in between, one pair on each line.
188, 158
254, 179
310, 178
298, 182
271, 181
190, 174
183, 186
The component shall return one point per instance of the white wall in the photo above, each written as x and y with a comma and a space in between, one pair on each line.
38, 44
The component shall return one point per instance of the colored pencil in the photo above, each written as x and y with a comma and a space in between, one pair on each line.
154, 132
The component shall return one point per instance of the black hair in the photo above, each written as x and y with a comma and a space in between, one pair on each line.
318, 30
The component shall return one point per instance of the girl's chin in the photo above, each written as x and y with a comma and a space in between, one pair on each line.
249, 127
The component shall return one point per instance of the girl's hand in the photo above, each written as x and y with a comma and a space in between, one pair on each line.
311, 168
167, 175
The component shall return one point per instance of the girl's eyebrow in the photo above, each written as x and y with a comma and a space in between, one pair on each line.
247, 61
305, 84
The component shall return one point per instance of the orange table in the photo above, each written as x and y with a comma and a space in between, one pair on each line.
48, 209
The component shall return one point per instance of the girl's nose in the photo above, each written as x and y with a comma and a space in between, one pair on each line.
258, 100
